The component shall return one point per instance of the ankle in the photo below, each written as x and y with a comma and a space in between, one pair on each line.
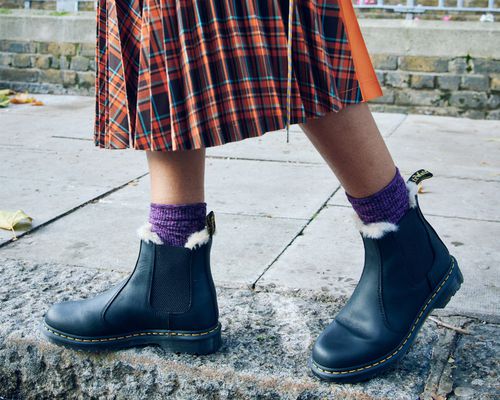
174, 223
387, 205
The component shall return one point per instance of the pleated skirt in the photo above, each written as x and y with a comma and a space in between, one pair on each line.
186, 74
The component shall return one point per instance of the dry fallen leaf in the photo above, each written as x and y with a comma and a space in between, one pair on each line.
37, 103
22, 98
10, 219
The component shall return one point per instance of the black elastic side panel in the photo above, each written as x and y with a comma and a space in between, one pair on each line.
171, 286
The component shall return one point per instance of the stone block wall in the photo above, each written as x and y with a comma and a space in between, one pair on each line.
48, 67
453, 86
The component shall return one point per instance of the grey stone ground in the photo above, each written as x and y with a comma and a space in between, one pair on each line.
285, 256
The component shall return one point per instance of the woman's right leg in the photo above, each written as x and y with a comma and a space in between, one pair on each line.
169, 299
177, 194
177, 177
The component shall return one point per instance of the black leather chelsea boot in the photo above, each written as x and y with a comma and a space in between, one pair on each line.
408, 272
168, 300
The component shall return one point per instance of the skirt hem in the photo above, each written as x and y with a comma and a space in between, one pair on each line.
156, 90
275, 124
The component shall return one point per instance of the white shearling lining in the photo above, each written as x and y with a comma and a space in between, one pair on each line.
145, 233
374, 230
197, 239
412, 192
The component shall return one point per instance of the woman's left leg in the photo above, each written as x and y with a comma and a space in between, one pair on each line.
408, 270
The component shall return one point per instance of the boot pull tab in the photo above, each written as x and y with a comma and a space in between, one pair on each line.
419, 176
210, 221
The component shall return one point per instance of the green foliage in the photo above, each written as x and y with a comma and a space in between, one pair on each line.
60, 13
468, 60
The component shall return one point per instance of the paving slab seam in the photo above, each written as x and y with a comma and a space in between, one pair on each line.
393, 131
52, 180
439, 363
266, 160
463, 178
262, 216
446, 373
491, 319
70, 211
434, 215
71, 138
26, 148
299, 233
464, 218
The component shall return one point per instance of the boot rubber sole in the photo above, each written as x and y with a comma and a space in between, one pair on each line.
444, 291
190, 342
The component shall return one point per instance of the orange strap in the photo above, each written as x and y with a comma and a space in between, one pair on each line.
368, 82
365, 74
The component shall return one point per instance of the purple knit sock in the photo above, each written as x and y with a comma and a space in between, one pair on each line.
387, 205
175, 222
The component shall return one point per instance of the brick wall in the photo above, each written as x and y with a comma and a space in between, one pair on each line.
455, 86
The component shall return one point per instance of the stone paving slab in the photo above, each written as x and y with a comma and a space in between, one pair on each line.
46, 185
273, 145
27, 125
42, 200
287, 191
97, 237
267, 341
78, 168
267, 188
238, 187
448, 146
48, 162
328, 256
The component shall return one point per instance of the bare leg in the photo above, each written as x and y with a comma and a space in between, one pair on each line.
351, 144
177, 177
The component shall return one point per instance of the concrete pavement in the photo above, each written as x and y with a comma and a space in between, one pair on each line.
285, 256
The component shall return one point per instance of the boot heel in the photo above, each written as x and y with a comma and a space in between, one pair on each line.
451, 286
206, 344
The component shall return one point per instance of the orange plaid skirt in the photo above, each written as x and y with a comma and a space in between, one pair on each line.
187, 74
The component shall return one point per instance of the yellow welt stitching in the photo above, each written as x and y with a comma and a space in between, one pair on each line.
407, 337
132, 335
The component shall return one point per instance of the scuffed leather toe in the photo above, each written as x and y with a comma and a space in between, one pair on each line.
60, 316
342, 347
81, 317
